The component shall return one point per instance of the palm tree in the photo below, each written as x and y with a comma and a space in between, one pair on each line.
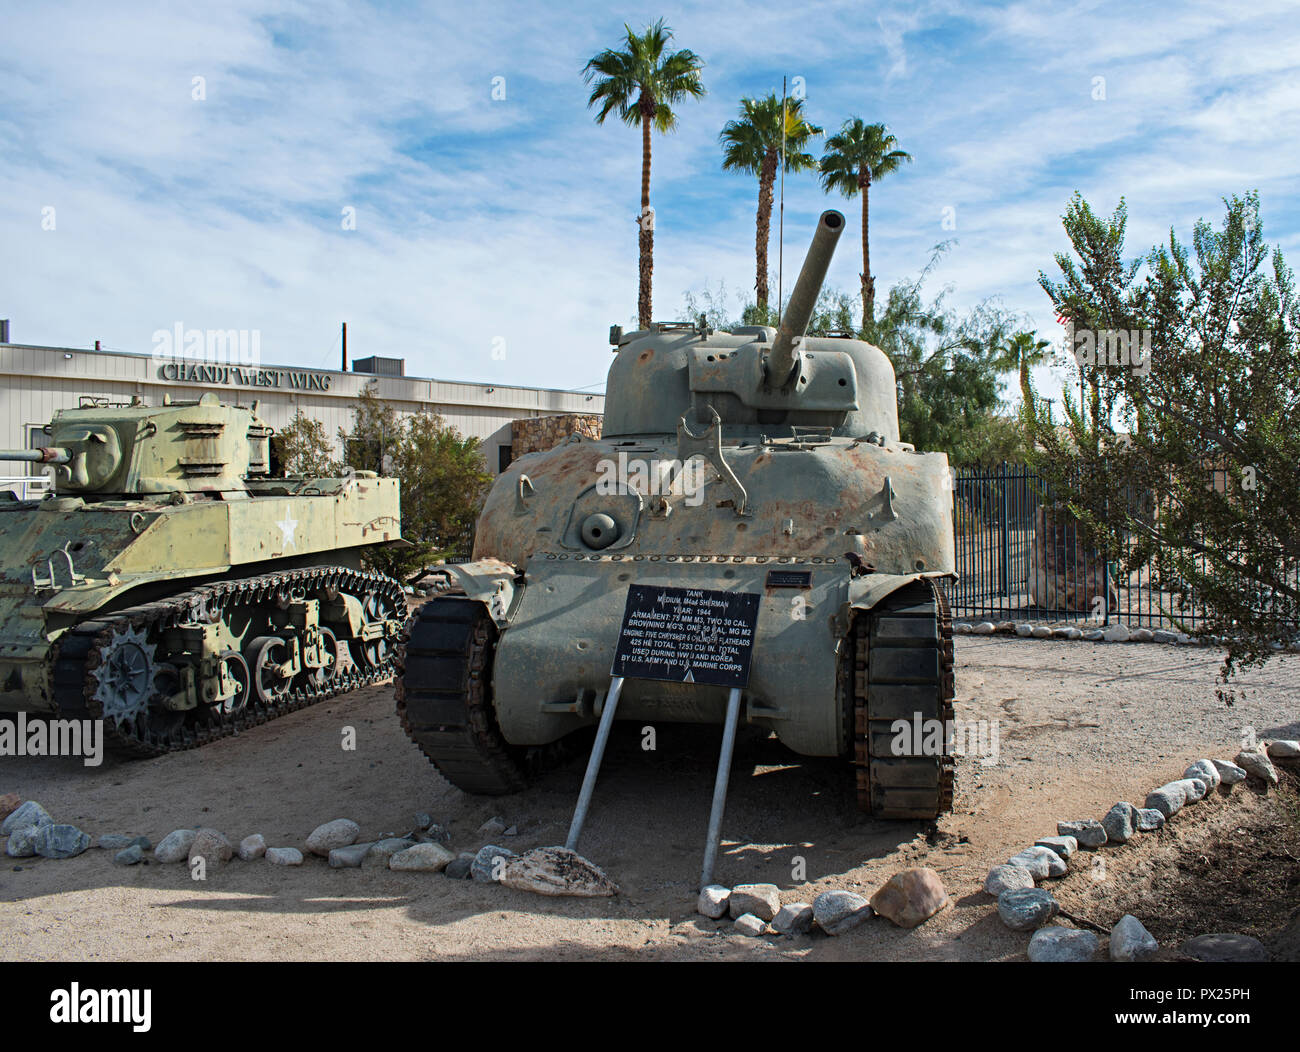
857, 156
1021, 353
753, 144
640, 84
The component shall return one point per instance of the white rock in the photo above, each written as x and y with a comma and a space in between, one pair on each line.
1057, 944
1006, 878
1143, 635
284, 856
1257, 764
794, 919
762, 900
1168, 799
1041, 632
1284, 750
984, 628
838, 911
175, 846
381, 852
349, 857
1024, 631
1065, 846
1130, 941
713, 901
421, 858
1116, 633
557, 871
252, 847
749, 925
1149, 820
1194, 788
1087, 832
1229, 773
212, 846
1042, 862
341, 832
1206, 772
1165, 636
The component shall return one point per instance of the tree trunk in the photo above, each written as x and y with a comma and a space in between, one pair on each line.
1026, 391
868, 282
646, 235
766, 179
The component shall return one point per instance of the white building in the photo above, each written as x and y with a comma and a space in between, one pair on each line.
37, 381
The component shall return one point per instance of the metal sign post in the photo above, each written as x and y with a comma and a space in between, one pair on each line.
720, 788
681, 635
593, 763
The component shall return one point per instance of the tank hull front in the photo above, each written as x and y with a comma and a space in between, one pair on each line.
554, 658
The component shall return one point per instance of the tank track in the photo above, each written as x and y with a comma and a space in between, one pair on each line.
444, 700
902, 667
84, 647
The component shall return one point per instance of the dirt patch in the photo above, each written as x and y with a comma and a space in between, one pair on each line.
1231, 866
1082, 726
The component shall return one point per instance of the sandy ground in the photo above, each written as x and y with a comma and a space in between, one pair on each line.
1081, 726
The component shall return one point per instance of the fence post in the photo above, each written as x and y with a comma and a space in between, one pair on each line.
1006, 537
1105, 574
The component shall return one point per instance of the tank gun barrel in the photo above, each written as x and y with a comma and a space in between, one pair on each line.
795, 318
45, 455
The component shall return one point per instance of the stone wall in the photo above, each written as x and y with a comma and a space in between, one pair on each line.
540, 433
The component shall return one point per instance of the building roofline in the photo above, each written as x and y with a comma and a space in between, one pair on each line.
312, 369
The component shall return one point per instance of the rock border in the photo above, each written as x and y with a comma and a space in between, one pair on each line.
1092, 632
1024, 906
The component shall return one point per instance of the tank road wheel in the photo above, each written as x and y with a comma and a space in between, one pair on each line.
234, 665
265, 656
119, 669
375, 653
902, 669
444, 697
320, 678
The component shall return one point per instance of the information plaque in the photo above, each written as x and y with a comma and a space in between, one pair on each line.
691, 635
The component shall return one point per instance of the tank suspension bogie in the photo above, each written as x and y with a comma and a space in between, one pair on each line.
184, 670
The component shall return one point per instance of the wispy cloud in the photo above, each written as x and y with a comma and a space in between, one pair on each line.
490, 207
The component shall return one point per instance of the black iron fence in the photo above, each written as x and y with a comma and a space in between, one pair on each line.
1021, 556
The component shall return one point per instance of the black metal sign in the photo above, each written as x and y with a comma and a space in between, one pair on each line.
789, 578
692, 635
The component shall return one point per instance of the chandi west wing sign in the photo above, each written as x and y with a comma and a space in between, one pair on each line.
244, 376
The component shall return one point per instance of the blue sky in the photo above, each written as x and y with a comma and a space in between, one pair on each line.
508, 225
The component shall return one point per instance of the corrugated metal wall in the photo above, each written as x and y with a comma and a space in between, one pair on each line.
37, 381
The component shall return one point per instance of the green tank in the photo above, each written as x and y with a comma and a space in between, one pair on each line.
758, 460
172, 588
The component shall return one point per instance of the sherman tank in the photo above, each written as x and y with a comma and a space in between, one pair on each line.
172, 588
759, 460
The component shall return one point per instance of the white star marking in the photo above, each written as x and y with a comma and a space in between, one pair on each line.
287, 527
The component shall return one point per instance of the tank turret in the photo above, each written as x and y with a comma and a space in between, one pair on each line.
135, 449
